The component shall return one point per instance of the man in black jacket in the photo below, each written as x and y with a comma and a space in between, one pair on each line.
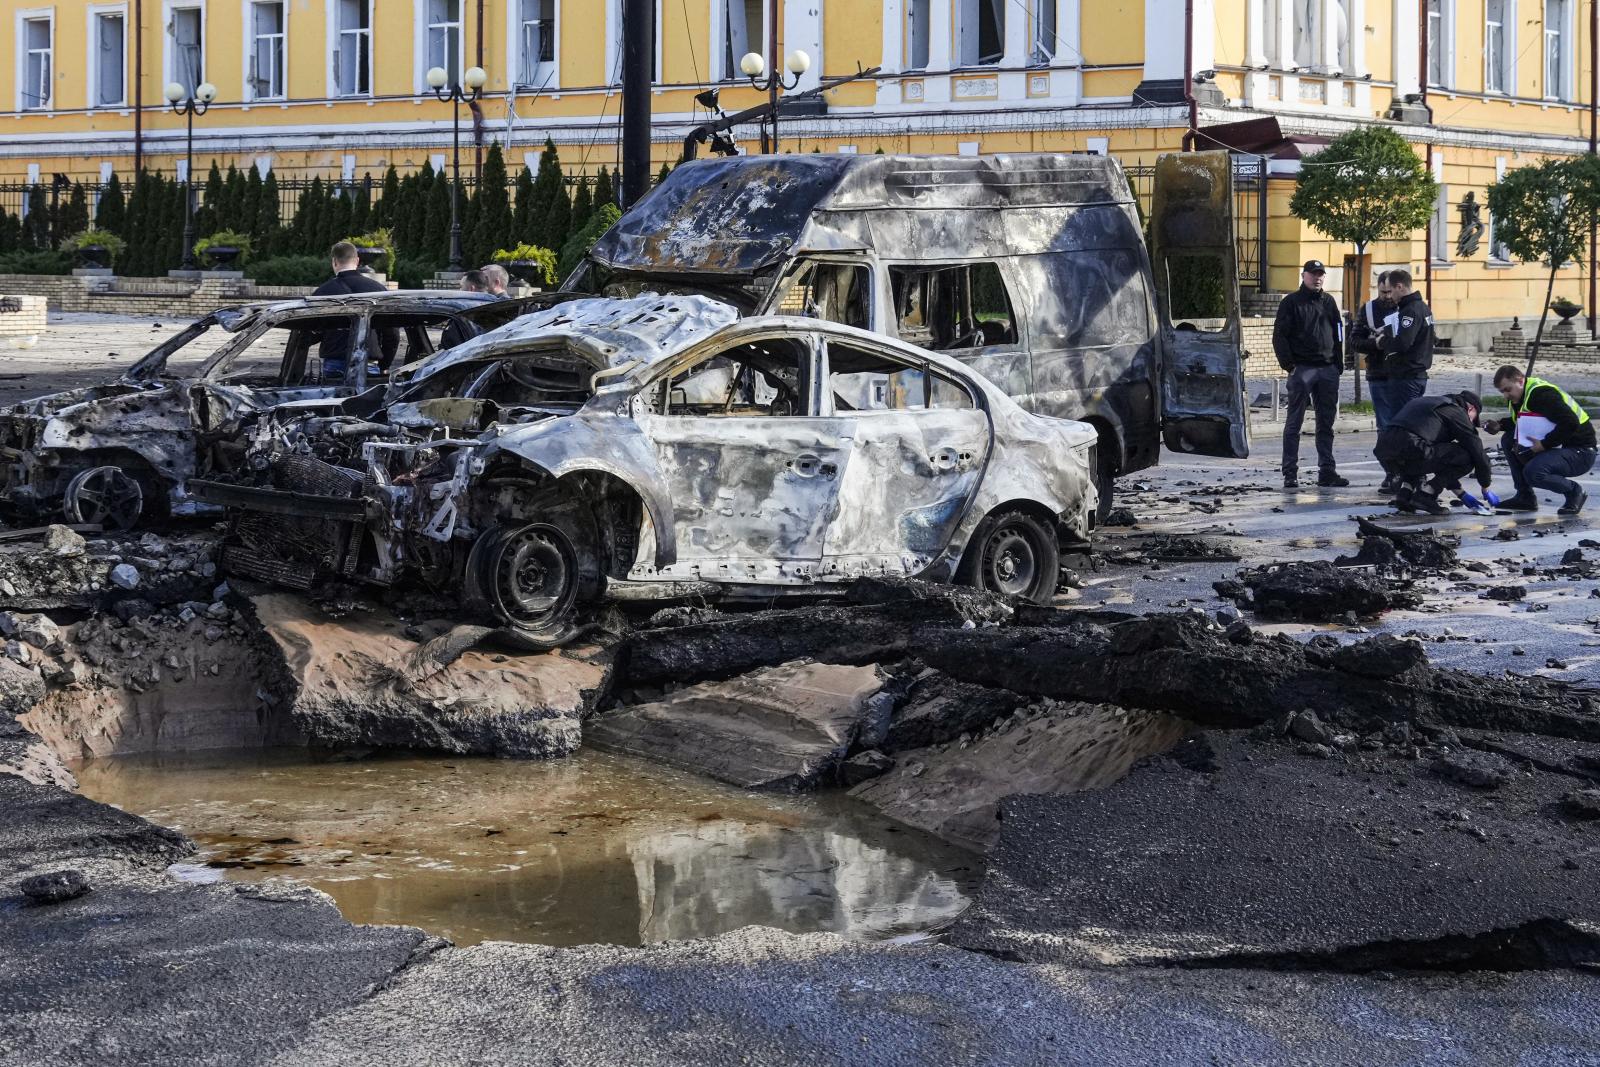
1306, 338
1364, 333
1429, 446
1407, 345
347, 278
1549, 440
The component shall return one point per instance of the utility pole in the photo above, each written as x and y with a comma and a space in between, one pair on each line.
638, 53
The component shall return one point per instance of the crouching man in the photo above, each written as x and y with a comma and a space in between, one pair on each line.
1548, 441
1429, 446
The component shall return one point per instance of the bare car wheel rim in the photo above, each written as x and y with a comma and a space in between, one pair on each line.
105, 496
1010, 561
534, 576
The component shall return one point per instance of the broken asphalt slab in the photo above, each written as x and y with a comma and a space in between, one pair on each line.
1230, 851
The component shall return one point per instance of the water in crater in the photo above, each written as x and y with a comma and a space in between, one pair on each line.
591, 849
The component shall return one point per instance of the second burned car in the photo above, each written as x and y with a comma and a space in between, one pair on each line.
657, 445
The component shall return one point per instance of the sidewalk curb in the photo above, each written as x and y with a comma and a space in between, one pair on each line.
1263, 428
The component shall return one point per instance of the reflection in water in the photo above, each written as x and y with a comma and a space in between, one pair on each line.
595, 848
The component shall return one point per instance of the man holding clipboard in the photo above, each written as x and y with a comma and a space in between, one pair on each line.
1549, 440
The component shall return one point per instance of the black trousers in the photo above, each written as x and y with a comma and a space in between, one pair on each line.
1413, 461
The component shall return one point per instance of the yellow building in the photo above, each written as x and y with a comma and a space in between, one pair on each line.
338, 88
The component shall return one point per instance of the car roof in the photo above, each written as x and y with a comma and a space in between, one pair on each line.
421, 299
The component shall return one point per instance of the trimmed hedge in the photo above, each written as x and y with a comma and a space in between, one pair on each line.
291, 270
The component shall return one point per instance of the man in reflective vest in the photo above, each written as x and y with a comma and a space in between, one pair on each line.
1549, 440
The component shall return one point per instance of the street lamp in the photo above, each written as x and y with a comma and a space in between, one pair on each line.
439, 81
189, 104
754, 66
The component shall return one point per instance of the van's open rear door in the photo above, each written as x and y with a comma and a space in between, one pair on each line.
1193, 257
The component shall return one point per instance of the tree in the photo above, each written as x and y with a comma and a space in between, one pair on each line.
581, 241
1366, 186
582, 205
1541, 213
533, 221
435, 243
661, 175
112, 212
235, 189
269, 217
605, 191
492, 227
524, 203
36, 223
74, 213
383, 212
208, 212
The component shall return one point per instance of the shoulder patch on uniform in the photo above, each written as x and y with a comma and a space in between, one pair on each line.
1407, 321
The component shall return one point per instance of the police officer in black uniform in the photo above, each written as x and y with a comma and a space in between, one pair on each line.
1307, 338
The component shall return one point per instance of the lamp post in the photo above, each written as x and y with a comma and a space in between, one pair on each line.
754, 66
439, 81
189, 104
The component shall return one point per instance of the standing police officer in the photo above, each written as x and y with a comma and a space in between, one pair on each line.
1407, 345
1306, 339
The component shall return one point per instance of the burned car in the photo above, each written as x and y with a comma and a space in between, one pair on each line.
658, 446
1032, 269
120, 453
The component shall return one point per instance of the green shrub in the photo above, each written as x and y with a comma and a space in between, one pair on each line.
225, 239
291, 270
578, 244
381, 238
534, 254
104, 238
412, 273
36, 263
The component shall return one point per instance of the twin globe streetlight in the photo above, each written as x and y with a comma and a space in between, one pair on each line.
189, 104
754, 66
439, 81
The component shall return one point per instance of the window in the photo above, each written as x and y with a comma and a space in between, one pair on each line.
1441, 41
1343, 38
444, 38
763, 378
266, 50
953, 307
110, 57
861, 380
186, 58
743, 29
1439, 232
917, 34
1495, 75
1043, 20
536, 61
1498, 252
1271, 21
835, 292
1307, 34
980, 32
1555, 50
36, 63
352, 59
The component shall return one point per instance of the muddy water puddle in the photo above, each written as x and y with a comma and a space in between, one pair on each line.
591, 849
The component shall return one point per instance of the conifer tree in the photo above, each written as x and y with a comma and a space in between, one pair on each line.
74, 213
661, 175
435, 244
533, 225
10, 232
492, 225
383, 213
208, 212
605, 192
135, 227
269, 219
582, 206
235, 215
36, 223
558, 221
340, 219
111, 214
524, 200
361, 210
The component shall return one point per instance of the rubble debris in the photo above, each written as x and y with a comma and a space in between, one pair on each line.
1480, 770
1315, 591
53, 887
125, 576
787, 727
1383, 656
1175, 548
1121, 517
938, 709
1506, 594
1395, 549
1582, 804
62, 541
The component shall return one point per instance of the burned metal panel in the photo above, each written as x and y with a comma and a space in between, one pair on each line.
1191, 240
153, 424
908, 484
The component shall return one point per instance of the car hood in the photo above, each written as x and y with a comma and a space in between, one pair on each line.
605, 331
52, 404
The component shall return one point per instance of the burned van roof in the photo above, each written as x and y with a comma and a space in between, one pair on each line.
742, 214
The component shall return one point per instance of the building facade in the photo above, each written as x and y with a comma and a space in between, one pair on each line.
339, 89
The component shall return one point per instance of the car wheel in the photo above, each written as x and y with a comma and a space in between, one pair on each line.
1105, 475
1015, 554
533, 577
108, 497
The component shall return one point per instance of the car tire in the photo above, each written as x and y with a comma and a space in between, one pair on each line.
1015, 554
1105, 476
531, 578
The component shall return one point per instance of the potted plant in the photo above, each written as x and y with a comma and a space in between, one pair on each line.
94, 249
531, 264
376, 250
1565, 308
226, 249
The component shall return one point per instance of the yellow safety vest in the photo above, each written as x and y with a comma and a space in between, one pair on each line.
1539, 383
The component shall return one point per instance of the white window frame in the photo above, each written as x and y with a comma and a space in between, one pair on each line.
1439, 246
754, 42
1565, 87
48, 16
95, 13
1042, 45
425, 27
250, 38
969, 9
514, 49
1508, 29
1314, 30
335, 38
1446, 53
169, 40
909, 36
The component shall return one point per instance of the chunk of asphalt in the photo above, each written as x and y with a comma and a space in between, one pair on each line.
53, 887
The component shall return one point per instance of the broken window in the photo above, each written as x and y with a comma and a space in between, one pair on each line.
835, 292
862, 380
762, 378
536, 63
187, 58
266, 50
981, 32
957, 307
1089, 299
743, 31
917, 34
288, 355
396, 340
444, 38
352, 58
1044, 31
110, 43
1441, 40
36, 63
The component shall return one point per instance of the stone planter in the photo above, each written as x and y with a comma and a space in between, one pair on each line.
93, 257
223, 257
370, 257
528, 271
1566, 311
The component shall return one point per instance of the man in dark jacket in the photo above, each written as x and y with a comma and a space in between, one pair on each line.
1549, 440
1429, 446
1306, 337
1364, 334
347, 278
1407, 345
